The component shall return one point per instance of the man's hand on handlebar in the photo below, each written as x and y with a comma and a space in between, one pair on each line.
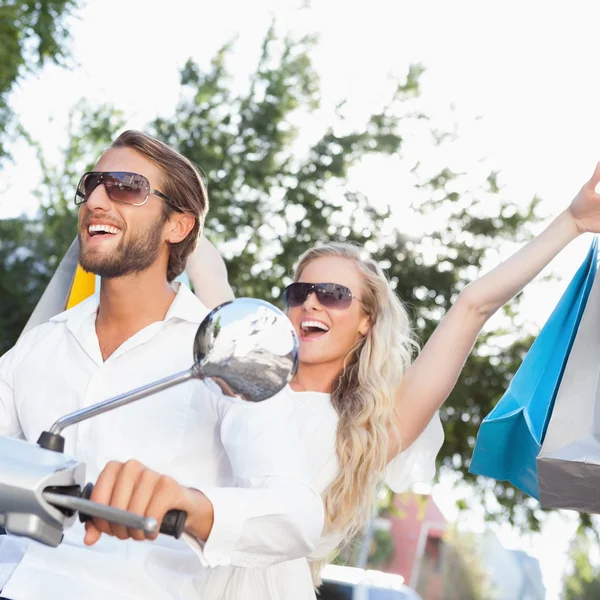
132, 486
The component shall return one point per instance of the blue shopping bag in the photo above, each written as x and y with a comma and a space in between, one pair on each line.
510, 437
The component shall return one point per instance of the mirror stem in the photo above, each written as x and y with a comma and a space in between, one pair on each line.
122, 400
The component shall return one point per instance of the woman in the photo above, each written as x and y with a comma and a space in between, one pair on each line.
365, 411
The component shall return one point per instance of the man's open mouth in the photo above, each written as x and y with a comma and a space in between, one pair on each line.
102, 230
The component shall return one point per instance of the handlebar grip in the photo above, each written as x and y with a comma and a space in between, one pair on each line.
172, 524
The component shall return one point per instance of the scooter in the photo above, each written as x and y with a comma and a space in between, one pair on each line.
247, 347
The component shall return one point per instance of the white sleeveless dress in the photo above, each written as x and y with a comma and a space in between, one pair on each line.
291, 580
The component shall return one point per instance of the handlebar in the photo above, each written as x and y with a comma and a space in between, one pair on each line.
76, 500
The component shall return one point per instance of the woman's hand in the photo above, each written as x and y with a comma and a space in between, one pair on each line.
207, 271
132, 486
585, 207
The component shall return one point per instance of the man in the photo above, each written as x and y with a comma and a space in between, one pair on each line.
238, 470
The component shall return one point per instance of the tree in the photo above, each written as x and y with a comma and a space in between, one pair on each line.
463, 573
271, 200
382, 549
32, 33
584, 581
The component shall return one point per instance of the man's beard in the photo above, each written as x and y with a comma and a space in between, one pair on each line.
138, 255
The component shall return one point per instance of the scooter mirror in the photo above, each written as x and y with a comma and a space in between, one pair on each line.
247, 347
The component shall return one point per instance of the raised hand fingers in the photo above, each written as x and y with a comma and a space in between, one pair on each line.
595, 178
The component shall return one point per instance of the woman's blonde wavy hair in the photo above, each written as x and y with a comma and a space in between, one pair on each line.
363, 395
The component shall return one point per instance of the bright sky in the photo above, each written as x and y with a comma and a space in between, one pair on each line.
528, 69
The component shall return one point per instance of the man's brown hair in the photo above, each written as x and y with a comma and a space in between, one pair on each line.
182, 183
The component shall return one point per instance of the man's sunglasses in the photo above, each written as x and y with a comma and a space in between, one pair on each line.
330, 295
121, 187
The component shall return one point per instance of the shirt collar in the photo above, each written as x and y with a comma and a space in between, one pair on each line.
186, 307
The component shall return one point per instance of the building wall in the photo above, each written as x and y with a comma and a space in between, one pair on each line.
417, 515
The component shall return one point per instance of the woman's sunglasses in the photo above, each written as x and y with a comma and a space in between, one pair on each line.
121, 187
330, 295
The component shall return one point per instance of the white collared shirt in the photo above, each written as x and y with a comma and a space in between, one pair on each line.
247, 459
